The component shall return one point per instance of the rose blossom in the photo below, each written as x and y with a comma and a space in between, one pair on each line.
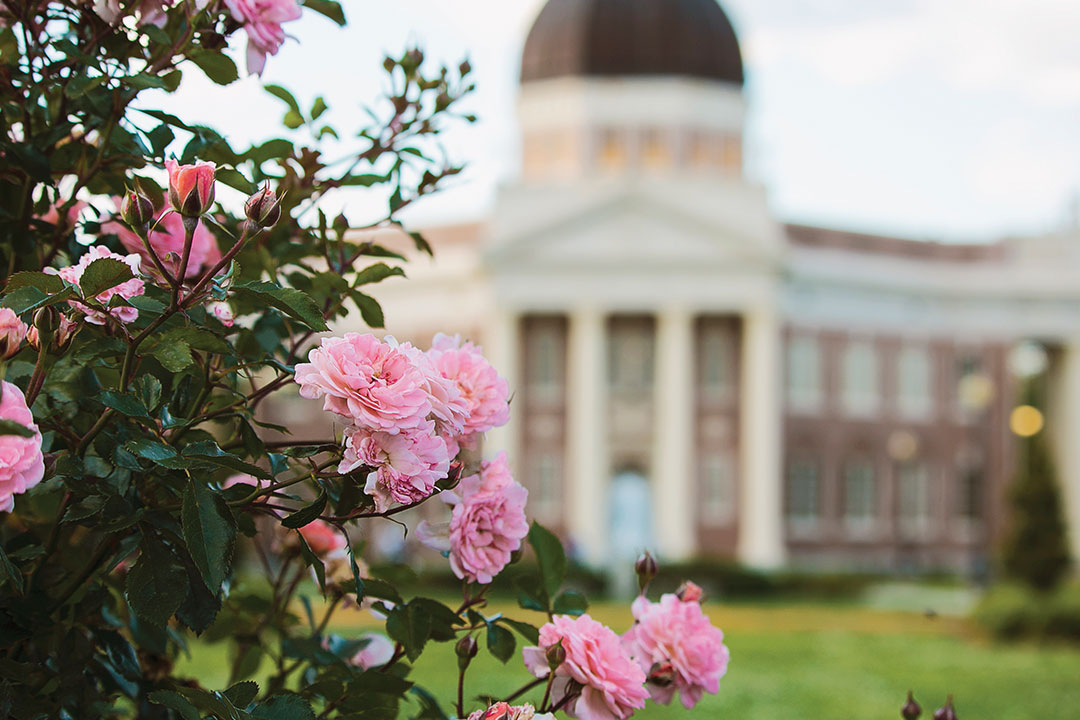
487, 525
127, 289
167, 239
612, 683
368, 381
378, 651
191, 187
262, 20
12, 333
222, 312
406, 465
506, 711
21, 463
323, 539
69, 222
676, 638
449, 409
486, 394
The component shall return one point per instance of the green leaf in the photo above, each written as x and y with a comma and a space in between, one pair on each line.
527, 631
329, 8
25, 299
175, 702
318, 107
292, 119
10, 427
209, 531
235, 180
148, 390
125, 404
571, 602
308, 514
9, 573
284, 95
550, 556
208, 452
377, 273
157, 584
242, 693
154, 451
370, 310
283, 707
411, 626
500, 642
44, 282
218, 66
173, 354
429, 705
290, 301
313, 561
211, 703
102, 274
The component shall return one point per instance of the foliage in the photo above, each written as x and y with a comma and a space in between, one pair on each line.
1036, 551
1012, 611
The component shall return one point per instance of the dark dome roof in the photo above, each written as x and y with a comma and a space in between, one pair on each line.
632, 37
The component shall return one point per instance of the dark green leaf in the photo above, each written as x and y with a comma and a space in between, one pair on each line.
550, 556
9, 573
527, 631
44, 282
318, 107
208, 452
87, 507
307, 514
173, 354
157, 584
102, 274
209, 531
242, 693
376, 273
10, 427
235, 180
429, 705
124, 404
175, 702
284, 95
312, 560
500, 642
292, 302
211, 703
329, 8
218, 66
25, 299
571, 602
370, 310
283, 707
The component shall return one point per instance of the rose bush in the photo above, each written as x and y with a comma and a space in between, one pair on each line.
147, 499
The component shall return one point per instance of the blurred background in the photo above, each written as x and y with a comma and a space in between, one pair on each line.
788, 292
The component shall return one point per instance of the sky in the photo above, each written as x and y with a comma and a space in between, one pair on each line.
955, 120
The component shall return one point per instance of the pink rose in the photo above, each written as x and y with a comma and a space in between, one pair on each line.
68, 223
323, 539
612, 683
222, 312
506, 711
64, 332
127, 289
486, 395
406, 465
487, 525
167, 239
21, 463
674, 642
367, 381
378, 651
262, 19
449, 409
12, 333
191, 187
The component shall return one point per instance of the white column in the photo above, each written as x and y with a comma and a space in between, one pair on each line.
761, 542
1067, 436
587, 511
673, 451
502, 349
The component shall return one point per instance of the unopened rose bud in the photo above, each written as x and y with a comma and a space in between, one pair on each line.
341, 224
911, 709
65, 332
191, 187
646, 570
46, 321
136, 210
263, 208
689, 592
222, 312
32, 337
661, 673
466, 650
556, 655
464, 68
947, 712
12, 333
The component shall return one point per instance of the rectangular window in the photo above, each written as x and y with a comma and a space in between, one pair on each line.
973, 391
718, 367
718, 488
804, 373
803, 488
631, 355
969, 495
860, 496
914, 384
860, 378
913, 498
545, 355
545, 484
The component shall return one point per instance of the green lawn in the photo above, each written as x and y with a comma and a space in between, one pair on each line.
809, 663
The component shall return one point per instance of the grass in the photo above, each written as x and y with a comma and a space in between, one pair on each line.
804, 662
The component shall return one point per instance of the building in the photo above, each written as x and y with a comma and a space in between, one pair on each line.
783, 394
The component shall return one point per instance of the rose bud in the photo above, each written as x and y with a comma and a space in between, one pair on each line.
689, 592
263, 208
646, 570
556, 655
136, 210
466, 650
911, 709
12, 333
32, 337
661, 674
191, 187
947, 712
341, 224
65, 332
